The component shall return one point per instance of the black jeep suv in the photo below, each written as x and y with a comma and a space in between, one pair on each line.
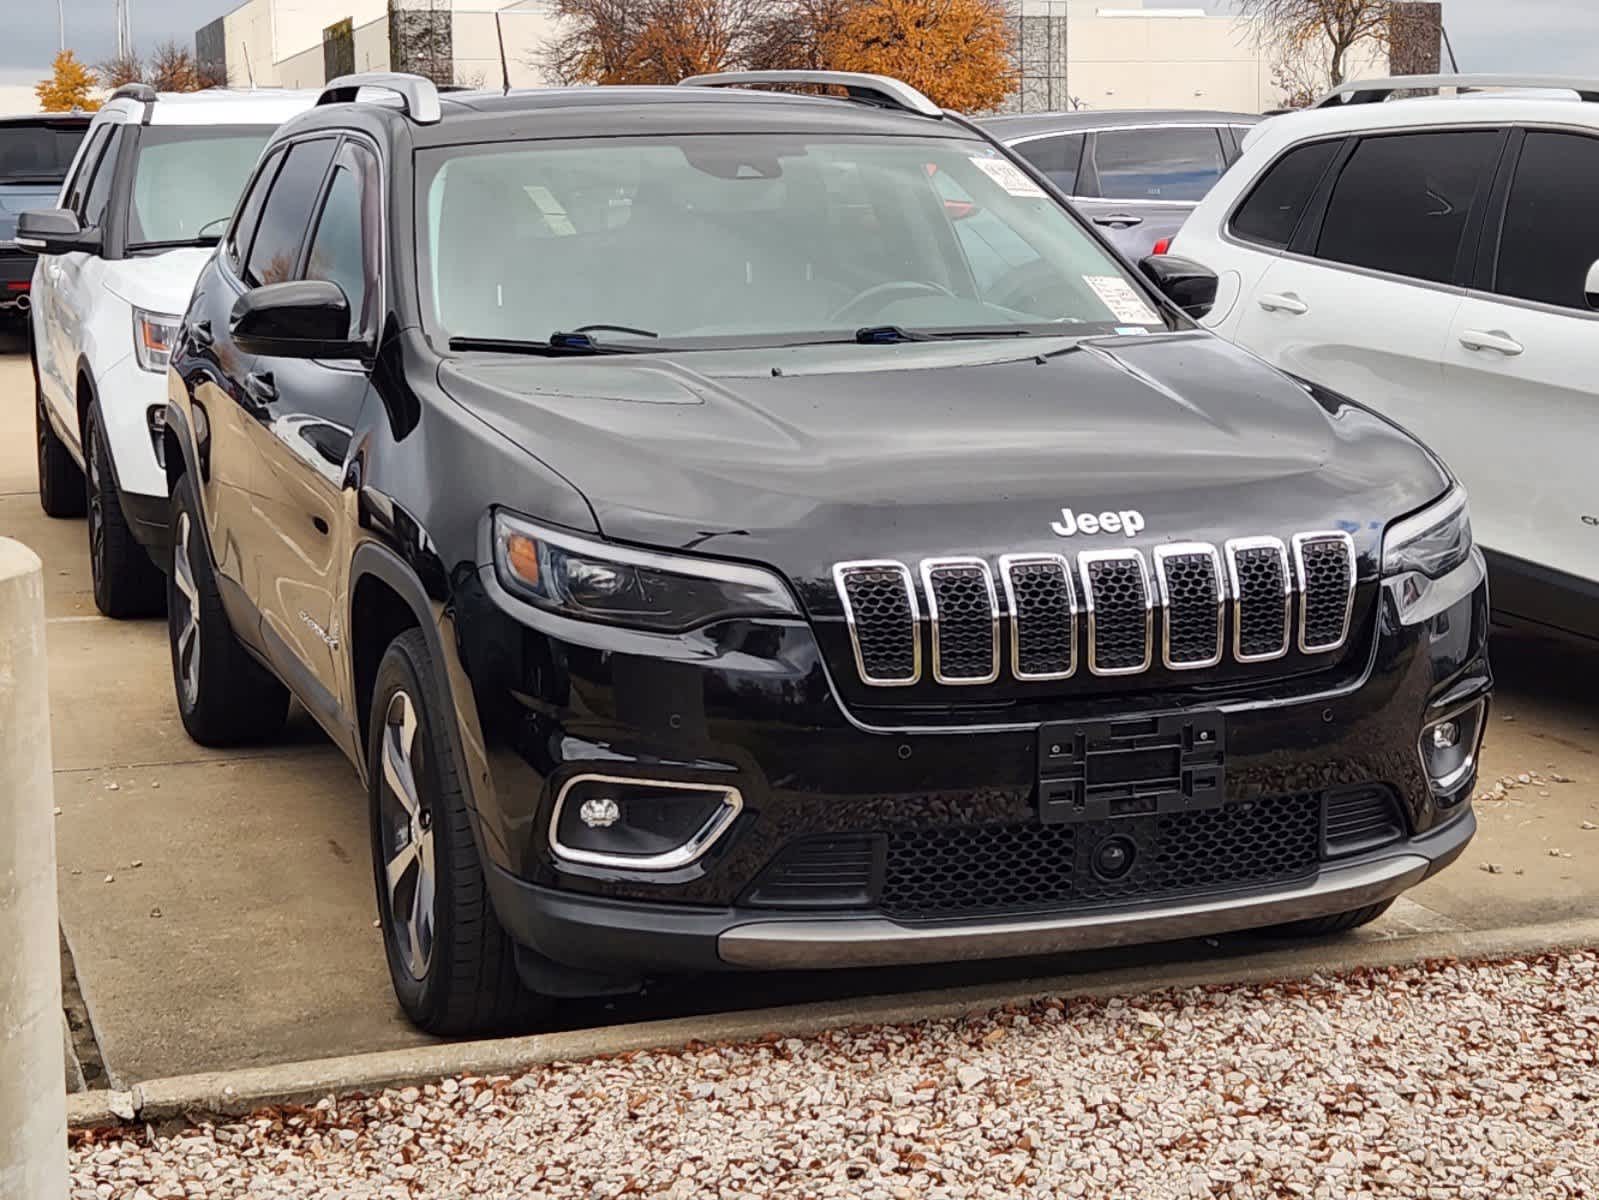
741, 529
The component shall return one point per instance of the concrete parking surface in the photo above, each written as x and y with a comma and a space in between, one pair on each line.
218, 905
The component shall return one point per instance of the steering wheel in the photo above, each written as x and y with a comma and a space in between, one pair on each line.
896, 288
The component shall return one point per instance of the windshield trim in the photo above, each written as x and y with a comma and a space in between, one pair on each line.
430, 158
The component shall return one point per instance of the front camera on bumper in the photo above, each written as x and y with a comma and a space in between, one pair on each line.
639, 824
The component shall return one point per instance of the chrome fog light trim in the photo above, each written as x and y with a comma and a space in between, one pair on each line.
689, 851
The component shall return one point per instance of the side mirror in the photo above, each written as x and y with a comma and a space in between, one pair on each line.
1185, 283
304, 318
1591, 288
55, 231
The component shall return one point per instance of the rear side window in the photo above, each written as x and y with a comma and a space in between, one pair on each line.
286, 215
1158, 164
99, 193
250, 213
85, 172
1271, 213
1057, 157
345, 248
1401, 202
1551, 231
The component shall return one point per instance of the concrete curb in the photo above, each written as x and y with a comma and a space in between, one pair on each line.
242, 1091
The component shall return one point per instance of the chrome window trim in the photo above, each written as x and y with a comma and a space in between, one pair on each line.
1186, 550
1086, 559
1348, 543
841, 571
930, 566
1234, 547
1008, 561
689, 852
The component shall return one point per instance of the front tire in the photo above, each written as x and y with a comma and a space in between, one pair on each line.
61, 485
225, 697
126, 582
453, 967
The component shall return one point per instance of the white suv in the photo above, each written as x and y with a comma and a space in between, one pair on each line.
151, 190
1437, 258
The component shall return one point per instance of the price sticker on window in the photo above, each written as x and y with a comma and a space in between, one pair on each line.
1125, 304
1009, 176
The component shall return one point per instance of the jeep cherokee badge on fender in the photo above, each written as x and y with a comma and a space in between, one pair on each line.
738, 529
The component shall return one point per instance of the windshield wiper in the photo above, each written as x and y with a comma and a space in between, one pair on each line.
559, 344
176, 243
881, 335
884, 335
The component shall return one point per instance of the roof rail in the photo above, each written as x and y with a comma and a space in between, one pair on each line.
871, 89
1375, 91
418, 96
144, 93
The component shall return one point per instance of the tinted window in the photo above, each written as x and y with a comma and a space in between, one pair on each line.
1158, 164
287, 213
186, 180
344, 248
94, 203
85, 174
37, 153
1551, 230
1056, 157
1401, 202
250, 212
1273, 209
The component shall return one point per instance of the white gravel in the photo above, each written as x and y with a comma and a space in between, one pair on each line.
1444, 1080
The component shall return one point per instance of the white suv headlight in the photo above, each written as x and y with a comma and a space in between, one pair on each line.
1432, 542
153, 335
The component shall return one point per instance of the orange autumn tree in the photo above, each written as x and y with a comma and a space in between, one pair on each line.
68, 87
955, 51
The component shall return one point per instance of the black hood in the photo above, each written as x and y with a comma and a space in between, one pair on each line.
804, 457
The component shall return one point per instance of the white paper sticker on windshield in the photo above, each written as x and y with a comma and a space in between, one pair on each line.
1009, 176
1124, 303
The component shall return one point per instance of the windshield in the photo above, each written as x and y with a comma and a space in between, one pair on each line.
187, 179
38, 153
741, 239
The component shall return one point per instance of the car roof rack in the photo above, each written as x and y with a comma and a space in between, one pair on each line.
144, 93
869, 89
418, 95
1375, 91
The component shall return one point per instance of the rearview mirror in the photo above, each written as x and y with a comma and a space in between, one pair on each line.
1185, 283
1591, 288
304, 318
55, 231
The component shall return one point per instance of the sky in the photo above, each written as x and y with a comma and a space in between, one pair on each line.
1545, 36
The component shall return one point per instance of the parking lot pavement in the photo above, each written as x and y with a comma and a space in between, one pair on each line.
219, 904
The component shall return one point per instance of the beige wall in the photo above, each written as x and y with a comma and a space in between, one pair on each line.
248, 30
1148, 61
477, 53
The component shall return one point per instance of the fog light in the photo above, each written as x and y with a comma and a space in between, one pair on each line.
1449, 748
157, 418
600, 812
639, 824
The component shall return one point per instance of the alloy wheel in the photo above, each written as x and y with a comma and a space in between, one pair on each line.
406, 829
186, 620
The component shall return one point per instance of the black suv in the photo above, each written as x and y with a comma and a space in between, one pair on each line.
741, 529
35, 153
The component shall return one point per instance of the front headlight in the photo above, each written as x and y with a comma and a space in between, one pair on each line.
1433, 542
646, 589
153, 335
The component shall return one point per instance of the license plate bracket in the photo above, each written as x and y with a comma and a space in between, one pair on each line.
1104, 770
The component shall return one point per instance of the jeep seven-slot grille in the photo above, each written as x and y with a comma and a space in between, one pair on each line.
1188, 600
1325, 564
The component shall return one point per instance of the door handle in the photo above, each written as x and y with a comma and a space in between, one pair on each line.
259, 390
1285, 303
1497, 340
1119, 220
200, 331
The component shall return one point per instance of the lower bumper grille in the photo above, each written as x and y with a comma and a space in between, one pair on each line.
987, 870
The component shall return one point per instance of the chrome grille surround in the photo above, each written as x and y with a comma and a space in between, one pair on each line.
1244, 554
1100, 615
847, 572
1305, 546
1010, 565
937, 574
1166, 559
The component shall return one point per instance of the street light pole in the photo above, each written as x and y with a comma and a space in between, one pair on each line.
61, 22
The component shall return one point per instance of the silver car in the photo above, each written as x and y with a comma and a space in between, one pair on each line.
1137, 174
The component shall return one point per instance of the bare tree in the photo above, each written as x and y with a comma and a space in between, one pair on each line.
173, 69
120, 69
1318, 35
596, 43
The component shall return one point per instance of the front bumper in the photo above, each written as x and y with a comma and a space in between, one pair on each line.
754, 706
126, 394
631, 937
